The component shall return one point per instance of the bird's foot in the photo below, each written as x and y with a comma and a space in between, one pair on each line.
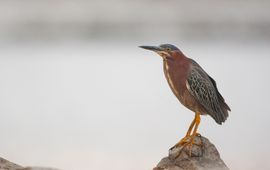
188, 141
197, 134
193, 142
182, 142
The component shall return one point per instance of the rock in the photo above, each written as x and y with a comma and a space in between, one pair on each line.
37, 168
202, 156
7, 165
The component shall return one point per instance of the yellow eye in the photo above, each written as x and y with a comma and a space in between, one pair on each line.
168, 49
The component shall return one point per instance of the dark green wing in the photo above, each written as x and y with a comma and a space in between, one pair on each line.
205, 92
224, 105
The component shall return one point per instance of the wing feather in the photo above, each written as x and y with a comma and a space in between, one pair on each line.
205, 92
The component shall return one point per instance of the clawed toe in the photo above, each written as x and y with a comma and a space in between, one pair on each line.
188, 142
182, 142
189, 139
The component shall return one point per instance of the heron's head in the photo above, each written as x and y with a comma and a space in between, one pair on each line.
166, 51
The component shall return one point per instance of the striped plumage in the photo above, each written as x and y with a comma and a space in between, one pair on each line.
204, 89
192, 86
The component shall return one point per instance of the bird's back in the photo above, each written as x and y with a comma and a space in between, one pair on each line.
205, 91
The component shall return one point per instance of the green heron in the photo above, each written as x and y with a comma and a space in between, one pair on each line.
192, 86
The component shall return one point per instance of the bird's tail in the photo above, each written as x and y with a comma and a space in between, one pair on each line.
222, 115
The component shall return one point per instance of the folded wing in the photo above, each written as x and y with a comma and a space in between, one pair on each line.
204, 90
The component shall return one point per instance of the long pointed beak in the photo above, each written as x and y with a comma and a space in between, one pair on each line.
152, 48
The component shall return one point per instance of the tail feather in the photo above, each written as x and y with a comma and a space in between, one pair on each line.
222, 113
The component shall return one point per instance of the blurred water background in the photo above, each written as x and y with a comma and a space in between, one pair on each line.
77, 93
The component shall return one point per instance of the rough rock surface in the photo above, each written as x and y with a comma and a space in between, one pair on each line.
37, 168
7, 165
202, 156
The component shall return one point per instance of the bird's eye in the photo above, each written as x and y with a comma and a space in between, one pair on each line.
168, 49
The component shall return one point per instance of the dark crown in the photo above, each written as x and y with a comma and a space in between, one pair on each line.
171, 47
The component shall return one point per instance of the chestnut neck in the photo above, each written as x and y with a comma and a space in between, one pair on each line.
176, 57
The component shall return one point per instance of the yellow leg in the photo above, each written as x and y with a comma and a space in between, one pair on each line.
191, 127
194, 133
186, 139
197, 122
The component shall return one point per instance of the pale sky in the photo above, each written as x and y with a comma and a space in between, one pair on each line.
76, 92
83, 106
